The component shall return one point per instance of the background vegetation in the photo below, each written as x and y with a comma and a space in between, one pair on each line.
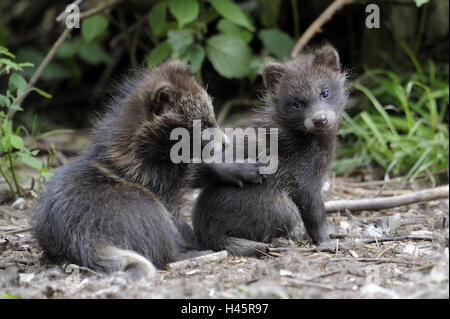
397, 124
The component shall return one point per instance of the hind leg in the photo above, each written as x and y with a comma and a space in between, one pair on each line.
244, 247
105, 226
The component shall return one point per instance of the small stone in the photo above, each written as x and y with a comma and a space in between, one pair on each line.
19, 204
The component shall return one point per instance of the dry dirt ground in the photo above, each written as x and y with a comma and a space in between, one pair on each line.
391, 269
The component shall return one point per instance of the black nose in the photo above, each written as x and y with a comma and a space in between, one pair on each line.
320, 121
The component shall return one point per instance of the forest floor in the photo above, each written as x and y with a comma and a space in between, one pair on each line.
402, 268
395, 269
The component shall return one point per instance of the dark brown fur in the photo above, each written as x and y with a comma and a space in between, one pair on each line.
307, 122
117, 206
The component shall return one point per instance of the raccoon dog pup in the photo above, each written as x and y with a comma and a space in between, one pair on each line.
304, 99
116, 207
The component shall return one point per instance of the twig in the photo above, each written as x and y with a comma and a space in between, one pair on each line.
424, 267
377, 260
267, 254
17, 231
299, 284
317, 24
329, 274
397, 238
358, 191
198, 261
7, 213
100, 8
64, 14
441, 192
383, 252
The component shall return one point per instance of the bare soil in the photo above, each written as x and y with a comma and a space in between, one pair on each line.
392, 269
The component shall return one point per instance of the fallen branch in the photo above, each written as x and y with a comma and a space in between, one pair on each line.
441, 192
397, 238
198, 261
378, 261
300, 284
16, 231
317, 24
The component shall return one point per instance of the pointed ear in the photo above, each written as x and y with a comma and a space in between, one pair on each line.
272, 74
162, 94
327, 56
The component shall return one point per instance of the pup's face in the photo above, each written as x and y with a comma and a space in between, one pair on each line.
175, 100
307, 93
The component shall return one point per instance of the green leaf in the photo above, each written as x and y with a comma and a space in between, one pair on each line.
229, 55
69, 48
4, 101
421, 2
46, 174
158, 54
16, 107
93, 27
157, 17
5, 144
194, 54
30, 160
179, 39
227, 27
42, 93
17, 84
276, 42
93, 53
184, 11
16, 141
256, 67
53, 71
269, 12
6, 52
232, 12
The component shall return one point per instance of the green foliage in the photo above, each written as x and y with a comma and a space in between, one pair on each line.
402, 127
228, 50
276, 42
229, 55
184, 11
9, 296
93, 27
421, 2
232, 12
12, 146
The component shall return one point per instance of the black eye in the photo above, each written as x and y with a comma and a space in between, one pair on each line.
298, 105
324, 94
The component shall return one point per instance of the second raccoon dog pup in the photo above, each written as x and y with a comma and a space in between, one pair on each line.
304, 99
117, 206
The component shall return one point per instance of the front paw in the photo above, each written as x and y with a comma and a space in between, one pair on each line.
245, 173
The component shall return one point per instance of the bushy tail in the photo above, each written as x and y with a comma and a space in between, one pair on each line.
113, 258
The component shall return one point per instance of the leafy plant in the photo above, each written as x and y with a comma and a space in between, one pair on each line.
402, 126
12, 147
228, 49
9, 296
